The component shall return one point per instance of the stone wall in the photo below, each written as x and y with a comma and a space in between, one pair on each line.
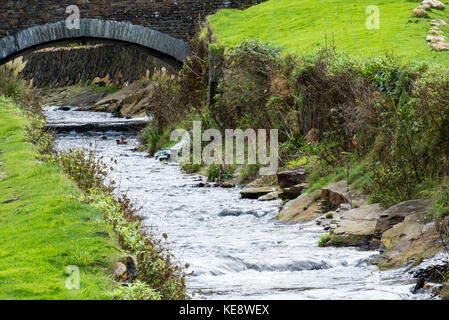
57, 67
178, 18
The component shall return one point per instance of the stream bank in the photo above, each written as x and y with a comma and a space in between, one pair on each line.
235, 246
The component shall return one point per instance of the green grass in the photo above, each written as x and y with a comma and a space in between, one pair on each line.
302, 26
43, 230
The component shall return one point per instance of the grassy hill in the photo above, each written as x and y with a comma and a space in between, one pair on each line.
302, 25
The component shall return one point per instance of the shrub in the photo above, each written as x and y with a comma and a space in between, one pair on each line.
10, 83
324, 239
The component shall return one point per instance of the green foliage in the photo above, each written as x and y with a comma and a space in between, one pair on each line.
220, 172
440, 204
249, 173
156, 140
156, 268
297, 163
324, 239
136, 291
213, 173
43, 228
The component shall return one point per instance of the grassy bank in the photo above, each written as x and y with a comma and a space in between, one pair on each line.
301, 26
43, 229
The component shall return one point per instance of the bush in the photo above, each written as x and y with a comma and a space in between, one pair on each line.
10, 83
136, 291
324, 239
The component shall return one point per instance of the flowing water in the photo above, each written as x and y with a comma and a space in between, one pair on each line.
235, 247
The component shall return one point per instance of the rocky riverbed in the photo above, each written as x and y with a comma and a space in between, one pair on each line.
240, 247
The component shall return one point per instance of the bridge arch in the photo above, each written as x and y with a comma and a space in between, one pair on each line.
108, 30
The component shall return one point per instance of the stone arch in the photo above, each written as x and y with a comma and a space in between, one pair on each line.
108, 30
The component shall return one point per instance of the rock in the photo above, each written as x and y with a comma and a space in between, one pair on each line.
304, 208
397, 213
254, 193
419, 12
227, 185
419, 285
338, 193
293, 192
270, 196
410, 241
356, 227
438, 23
435, 32
131, 266
120, 272
434, 4
440, 46
291, 178
238, 213
131, 101
85, 99
433, 39
432, 273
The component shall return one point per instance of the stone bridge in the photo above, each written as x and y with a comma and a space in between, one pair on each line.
163, 26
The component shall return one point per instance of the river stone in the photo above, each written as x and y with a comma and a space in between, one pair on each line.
356, 226
293, 192
131, 266
304, 208
270, 196
438, 23
397, 213
338, 193
254, 193
440, 46
410, 241
291, 178
85, 99
130, 101
120, 272
434, 4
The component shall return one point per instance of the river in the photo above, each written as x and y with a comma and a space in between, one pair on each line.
235, 247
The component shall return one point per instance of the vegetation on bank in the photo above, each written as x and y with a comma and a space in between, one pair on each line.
59, 210
302, 26
44, 229
378, 122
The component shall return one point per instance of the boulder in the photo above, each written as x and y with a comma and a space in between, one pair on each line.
270, 196
438, 23
356, 227
255, 193
293, 192
397, 213
410, 241
120, 272
435, 32
419, 12
131, 101
227, 185
436, 39
304, 208
338, 193
440, 46
291, 178
131, 266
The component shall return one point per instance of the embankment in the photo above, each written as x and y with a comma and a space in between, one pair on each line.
44, 230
